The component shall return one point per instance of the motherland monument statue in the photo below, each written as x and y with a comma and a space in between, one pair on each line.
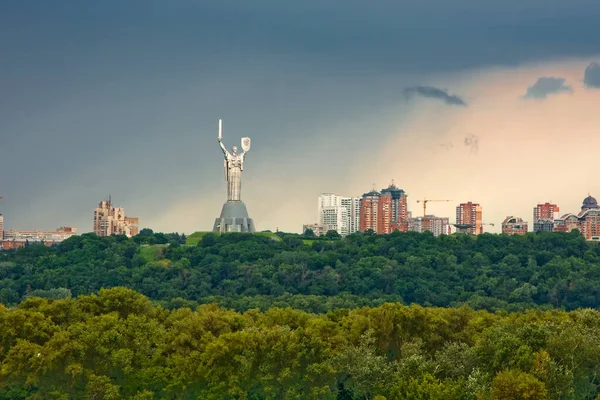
234, 215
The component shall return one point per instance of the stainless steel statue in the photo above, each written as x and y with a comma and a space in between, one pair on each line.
234, 165
234, 215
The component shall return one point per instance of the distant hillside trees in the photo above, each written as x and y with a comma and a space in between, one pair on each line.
243, 271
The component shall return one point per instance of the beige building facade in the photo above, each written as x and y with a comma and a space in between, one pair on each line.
109, 220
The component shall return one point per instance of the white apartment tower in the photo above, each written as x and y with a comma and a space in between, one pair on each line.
1, 227
330, 213
352, 206
338, 213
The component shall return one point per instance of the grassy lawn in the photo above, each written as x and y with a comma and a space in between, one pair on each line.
269, 235
309, 242
153, 252
194, 238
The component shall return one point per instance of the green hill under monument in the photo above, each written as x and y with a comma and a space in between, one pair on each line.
196, 237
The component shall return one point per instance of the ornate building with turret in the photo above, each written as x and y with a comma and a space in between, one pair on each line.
587, 220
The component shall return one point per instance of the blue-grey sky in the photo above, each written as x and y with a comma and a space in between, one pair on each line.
122, 97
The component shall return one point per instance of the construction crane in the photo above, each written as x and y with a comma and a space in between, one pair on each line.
425, 201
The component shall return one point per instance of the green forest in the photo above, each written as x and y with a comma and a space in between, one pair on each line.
120, 345
286, 316
244, 271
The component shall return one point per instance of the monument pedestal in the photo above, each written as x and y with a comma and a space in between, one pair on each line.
234, 218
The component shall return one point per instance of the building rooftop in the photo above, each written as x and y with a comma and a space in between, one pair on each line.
589, 203
372, 193
513, 220
392, 189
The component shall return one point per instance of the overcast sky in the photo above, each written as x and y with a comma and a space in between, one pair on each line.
464, 99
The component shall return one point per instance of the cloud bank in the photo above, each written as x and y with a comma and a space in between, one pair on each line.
434, 93
546, 86
508, 175
591, 78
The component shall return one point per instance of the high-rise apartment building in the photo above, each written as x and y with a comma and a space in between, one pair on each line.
352, 206
109, 220
469, 216
369, 211
376, 212
337, 213
547, 211
1, 227
398, 201
331, 214
514, 226
316, 228
385, 220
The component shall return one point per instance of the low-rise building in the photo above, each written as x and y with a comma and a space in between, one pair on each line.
20, 238
514, 226
543, 225
317, 229
587, 221
436, 225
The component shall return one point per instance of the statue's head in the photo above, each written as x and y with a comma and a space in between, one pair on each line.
234, 148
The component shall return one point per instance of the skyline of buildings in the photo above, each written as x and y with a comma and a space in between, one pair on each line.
386, 211
108, 220
383, 212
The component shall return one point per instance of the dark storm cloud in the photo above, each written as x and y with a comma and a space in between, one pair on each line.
97, 94
591, 77
545, 86
430, 35
434, 93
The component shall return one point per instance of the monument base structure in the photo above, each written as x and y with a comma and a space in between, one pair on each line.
234, 218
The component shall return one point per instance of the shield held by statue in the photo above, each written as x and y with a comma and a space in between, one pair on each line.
246, 143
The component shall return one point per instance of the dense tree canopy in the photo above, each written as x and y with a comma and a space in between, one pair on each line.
243, 271
69, 328
119, 345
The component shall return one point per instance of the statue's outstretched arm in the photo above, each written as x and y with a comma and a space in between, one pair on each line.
223, 147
